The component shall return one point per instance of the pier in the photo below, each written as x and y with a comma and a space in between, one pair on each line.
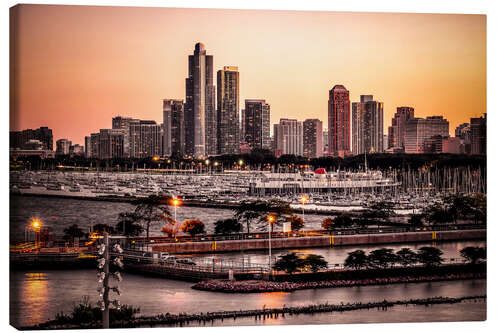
278, 241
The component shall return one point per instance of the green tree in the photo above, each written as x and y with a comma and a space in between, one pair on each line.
151, 210
193, 227
437, 214
289, 263
416, 220
473, 254
381, 258
356, 259
430, 256
314, 262
259, 211
296, 222
101, 227
227, 226
127, 224
72, 232
406, 257
343, 221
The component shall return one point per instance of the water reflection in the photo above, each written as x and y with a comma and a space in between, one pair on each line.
35, 289
37, 298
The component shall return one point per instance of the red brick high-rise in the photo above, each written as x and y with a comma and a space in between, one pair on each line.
339, 122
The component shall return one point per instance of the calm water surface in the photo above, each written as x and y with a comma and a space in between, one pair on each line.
38, 296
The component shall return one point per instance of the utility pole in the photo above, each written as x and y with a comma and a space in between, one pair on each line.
105, 313
103, 276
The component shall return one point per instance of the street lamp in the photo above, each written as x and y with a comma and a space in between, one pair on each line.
36, 225
240, 163
207, 163
175, 202
270, 218
303, 201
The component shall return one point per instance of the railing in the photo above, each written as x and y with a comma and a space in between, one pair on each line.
309, 233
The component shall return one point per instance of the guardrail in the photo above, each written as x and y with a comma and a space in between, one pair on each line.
306, 233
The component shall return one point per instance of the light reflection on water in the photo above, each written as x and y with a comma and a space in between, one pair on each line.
63, 289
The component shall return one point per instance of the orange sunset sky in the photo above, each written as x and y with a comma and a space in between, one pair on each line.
75, 67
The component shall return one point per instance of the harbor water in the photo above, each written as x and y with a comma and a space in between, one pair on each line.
38, 296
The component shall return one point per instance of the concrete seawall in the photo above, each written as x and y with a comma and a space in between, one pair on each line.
318, 241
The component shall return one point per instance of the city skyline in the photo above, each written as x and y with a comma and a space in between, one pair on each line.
429, 64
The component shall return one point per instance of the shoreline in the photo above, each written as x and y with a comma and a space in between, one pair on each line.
258, 286
202, 319
187, 203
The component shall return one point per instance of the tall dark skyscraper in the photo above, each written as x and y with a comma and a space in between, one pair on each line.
199, 113
367, 126
228, 116
398, 129
257, 124
111, 143
313, 138
145, 139
339, 122
123, 123
173, 127
62, 146
478, 135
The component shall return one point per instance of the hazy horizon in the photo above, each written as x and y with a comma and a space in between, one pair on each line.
79, 66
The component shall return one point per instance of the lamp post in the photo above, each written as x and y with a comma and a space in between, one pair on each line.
175, 202
270, 218
36, 225
103, 275
303, 201
207, 163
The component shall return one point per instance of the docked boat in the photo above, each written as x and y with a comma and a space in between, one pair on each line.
319, 181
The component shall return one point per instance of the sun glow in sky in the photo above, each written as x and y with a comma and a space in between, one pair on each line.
76, 67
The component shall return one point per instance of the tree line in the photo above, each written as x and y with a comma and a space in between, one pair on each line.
260, 214
381, 258
260, 159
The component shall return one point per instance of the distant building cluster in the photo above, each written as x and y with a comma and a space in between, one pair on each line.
209, 122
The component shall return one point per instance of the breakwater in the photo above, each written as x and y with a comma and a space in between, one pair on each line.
254, 286
205, 318
319, 241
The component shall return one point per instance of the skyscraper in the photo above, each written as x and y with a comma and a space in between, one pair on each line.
228, 117
257, 124
43, 134
478, 135
417, 130
111, 143
94, 145
87, 146
199, 112
398, 129
62, 146
288, 137
145, 139
173, 127
339, 121
463, 132
313, 138
124, 123
367, 126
